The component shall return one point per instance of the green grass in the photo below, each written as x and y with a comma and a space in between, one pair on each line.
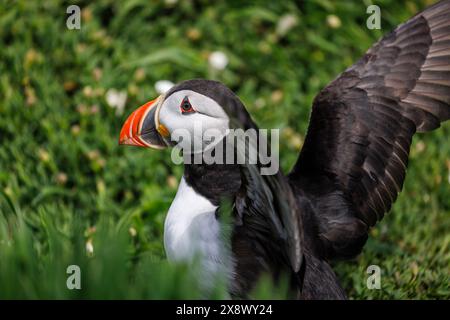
64, 181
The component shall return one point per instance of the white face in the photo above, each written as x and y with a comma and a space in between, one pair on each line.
194, 118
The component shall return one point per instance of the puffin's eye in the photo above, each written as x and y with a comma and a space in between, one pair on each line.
186, 106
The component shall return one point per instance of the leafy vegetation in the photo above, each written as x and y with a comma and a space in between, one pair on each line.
70, 195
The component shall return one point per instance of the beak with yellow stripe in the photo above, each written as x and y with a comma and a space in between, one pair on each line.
142, 127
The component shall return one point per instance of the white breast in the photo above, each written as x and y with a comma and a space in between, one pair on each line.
192, 230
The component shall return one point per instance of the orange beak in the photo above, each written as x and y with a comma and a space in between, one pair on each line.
140, 128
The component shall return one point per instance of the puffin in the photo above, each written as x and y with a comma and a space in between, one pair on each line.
235, 222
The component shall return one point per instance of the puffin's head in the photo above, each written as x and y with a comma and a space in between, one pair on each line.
193, 109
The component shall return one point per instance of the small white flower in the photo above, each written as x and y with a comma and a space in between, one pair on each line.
171, 2
286, 23
132, 231
260, 103
218, 60
162, 86
334, 21
89, 247
116, 99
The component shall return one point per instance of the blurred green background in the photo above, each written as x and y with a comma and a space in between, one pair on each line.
70, 195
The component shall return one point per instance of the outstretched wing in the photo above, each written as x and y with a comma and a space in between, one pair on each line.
354, 159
